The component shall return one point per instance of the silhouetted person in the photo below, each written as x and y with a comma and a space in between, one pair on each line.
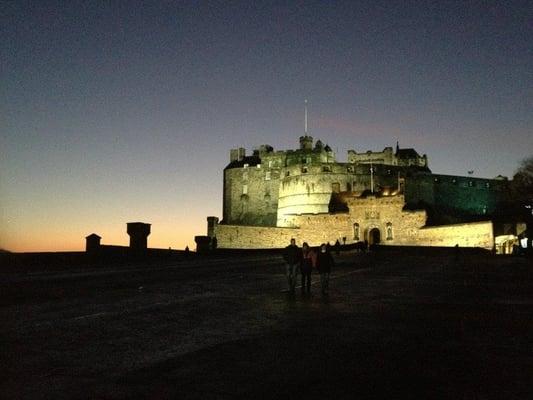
456, 255
292, 256
187, 251
324, 264
306, 267
338, 247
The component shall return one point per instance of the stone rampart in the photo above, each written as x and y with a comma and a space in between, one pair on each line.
474, 234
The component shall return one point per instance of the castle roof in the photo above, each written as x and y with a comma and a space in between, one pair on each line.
407, 153
252, 161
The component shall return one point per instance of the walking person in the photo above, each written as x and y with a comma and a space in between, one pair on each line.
324, 264
292, 256
308, 261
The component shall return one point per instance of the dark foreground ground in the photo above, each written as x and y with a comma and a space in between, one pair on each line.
420, 327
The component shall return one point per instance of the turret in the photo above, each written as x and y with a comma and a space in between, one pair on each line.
306, 143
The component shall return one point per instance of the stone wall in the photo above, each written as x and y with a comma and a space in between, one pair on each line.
475, 196
251, 195
475, 234
366, 215
378, 157
254, 237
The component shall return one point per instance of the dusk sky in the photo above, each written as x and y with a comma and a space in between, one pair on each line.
122, 111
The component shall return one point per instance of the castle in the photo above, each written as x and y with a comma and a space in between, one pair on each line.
388, 197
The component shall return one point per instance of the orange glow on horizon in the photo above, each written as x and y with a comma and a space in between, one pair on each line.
50, 238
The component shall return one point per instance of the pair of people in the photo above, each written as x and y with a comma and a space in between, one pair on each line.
304, 260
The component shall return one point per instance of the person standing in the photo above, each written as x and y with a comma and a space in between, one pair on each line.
292, 256
324, 264
306, 266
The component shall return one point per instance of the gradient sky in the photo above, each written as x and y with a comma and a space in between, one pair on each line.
120, 111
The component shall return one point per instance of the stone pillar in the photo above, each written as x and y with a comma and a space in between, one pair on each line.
212, 223
92, 243
138, 232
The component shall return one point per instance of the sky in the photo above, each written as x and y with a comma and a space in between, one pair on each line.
122, 111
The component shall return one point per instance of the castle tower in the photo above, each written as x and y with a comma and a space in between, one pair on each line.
138, 232
306, 143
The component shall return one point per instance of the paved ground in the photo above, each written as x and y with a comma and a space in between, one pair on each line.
393, 325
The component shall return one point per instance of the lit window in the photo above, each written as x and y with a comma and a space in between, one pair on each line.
246, 165
244, 189
270, 164
258, 165
267, 176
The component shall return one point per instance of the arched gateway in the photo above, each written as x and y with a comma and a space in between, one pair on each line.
374, 236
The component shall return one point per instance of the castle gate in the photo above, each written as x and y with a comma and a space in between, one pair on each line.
374, 236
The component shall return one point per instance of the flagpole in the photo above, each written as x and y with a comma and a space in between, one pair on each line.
371, 178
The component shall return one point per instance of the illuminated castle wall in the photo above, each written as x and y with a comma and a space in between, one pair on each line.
274, 189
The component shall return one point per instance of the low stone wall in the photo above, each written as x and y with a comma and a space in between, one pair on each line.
475, 234
317, 231
253, 237
323, 229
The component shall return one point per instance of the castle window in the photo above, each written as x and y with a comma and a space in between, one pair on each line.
436, 180
304, 170
470, 183
326, 168
349, 169
348, 187
258, 165
487, 185
246, 165
335, 187
454, 180
270, 164
304, 160
267, 176
356, 231
389, 231
308, 160
287, 173
244, 189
